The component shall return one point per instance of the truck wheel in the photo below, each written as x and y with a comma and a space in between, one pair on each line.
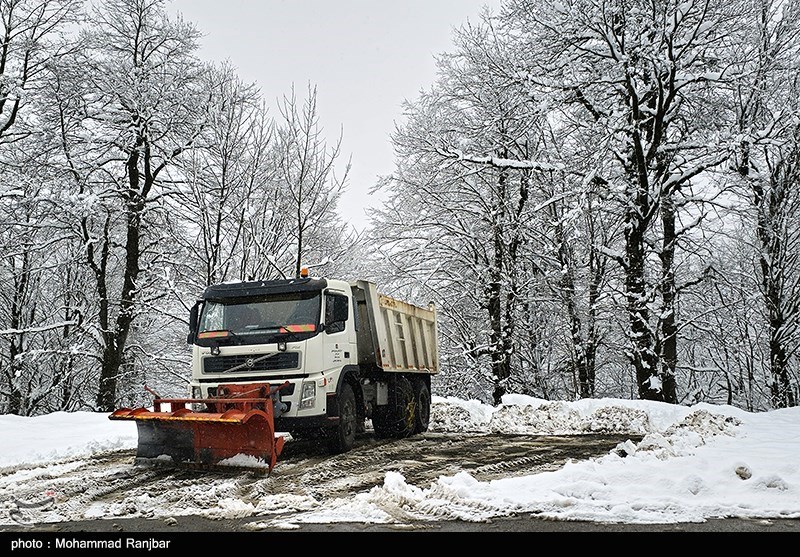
396, 419
342, 437
422, 403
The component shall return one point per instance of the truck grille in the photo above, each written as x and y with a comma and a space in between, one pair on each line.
249, 363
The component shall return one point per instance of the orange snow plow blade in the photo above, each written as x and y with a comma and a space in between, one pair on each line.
239, 421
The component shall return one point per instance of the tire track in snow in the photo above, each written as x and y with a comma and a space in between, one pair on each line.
110, 485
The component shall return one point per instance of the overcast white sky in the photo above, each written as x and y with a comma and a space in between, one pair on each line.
364, 56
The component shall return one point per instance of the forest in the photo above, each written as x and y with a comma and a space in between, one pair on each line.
600, 196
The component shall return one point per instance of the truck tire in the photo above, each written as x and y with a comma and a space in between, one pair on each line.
396, 419
422, 403
342, 437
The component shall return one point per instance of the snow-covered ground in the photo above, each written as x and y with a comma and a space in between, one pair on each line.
694, 463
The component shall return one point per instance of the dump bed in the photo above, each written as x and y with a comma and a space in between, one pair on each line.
395, 335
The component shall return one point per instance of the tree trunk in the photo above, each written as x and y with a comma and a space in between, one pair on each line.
17, 398
669, 329
116, 337
596, 273
566, 260
771, 257
642, 354
499, 363
499, 343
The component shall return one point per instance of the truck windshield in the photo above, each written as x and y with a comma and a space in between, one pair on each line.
295, 315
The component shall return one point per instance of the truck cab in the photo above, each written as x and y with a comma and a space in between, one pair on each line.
340, 356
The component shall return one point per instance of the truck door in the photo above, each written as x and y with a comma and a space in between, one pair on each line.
340, 332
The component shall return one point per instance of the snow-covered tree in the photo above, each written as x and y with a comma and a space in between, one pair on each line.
33, 38
646, 72
309, 187
460, 216
139, 104
229, 225
33, 33
768, 162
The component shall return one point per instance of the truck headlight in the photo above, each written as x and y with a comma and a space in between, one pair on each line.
197, 392
308, 395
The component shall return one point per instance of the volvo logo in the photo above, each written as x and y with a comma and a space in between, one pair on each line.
250, 362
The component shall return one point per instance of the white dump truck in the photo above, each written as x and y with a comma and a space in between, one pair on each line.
312, 357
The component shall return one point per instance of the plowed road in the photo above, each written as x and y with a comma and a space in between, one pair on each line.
111, 480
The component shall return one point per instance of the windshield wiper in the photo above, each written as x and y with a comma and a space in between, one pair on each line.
286, 329
275, 328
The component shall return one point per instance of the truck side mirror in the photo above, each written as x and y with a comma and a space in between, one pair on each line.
193, 322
